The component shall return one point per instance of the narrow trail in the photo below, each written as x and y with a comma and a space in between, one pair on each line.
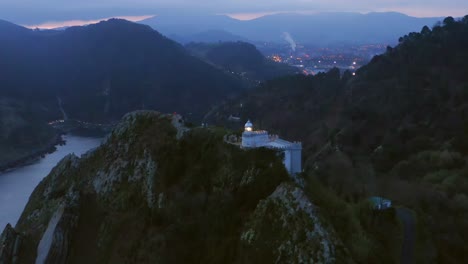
409, 227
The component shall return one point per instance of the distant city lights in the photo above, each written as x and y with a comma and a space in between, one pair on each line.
276, 58
314, 60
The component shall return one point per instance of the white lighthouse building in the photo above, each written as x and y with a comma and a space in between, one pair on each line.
260, 138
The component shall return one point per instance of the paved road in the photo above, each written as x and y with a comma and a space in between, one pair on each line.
406, 217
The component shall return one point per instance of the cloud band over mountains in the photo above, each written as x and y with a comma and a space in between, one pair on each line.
32, 12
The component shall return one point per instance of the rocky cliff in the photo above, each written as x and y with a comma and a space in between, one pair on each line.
156, 191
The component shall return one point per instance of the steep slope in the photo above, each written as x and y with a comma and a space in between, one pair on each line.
8, 29
24, 133
105, 70
397, 129
242, 59
157, 192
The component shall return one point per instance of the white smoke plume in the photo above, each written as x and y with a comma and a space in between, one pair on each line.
286, 36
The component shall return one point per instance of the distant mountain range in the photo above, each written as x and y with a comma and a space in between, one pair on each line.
209, 36
318, 29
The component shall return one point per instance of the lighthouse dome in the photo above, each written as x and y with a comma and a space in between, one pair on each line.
248, 126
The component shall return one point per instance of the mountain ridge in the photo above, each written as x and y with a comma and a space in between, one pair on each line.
115, 67
320, 29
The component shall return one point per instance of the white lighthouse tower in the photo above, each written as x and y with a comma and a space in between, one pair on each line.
254, 139
260, 138
248, 126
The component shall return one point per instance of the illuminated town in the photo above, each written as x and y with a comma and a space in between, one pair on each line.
312, 60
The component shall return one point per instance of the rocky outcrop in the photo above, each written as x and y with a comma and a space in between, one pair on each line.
178, 123
48, 221
56, 242
139, 169
10, 242
288, 226
157, 192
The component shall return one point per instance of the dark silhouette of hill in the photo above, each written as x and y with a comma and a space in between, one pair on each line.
318, 29
184, 24
399, 128
8, 30
240, 58
209, 36
105, 70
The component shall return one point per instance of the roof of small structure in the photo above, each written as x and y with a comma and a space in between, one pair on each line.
279, 144
248, 124
376, 200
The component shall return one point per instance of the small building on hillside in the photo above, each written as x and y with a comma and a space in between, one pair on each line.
379, 203
234, 118
260, 138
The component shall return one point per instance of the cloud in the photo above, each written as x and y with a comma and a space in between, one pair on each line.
34, 11
70, 23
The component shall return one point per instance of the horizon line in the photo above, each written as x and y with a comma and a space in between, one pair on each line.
247, 16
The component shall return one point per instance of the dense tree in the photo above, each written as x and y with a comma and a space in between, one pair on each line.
397, 128
241, 58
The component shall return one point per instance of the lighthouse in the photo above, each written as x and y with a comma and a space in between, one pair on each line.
260, 138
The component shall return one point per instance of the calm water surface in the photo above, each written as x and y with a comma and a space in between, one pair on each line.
17, 185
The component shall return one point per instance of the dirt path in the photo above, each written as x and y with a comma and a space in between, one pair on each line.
409, 226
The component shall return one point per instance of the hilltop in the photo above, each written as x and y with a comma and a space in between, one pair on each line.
158, 192
112, 67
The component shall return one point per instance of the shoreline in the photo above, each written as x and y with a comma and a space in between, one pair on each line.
36, 155
75, 127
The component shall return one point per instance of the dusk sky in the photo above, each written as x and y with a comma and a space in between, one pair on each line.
37, 12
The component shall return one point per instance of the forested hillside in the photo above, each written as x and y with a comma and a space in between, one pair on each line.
105, 70
242, 59
22, 133
399, 129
